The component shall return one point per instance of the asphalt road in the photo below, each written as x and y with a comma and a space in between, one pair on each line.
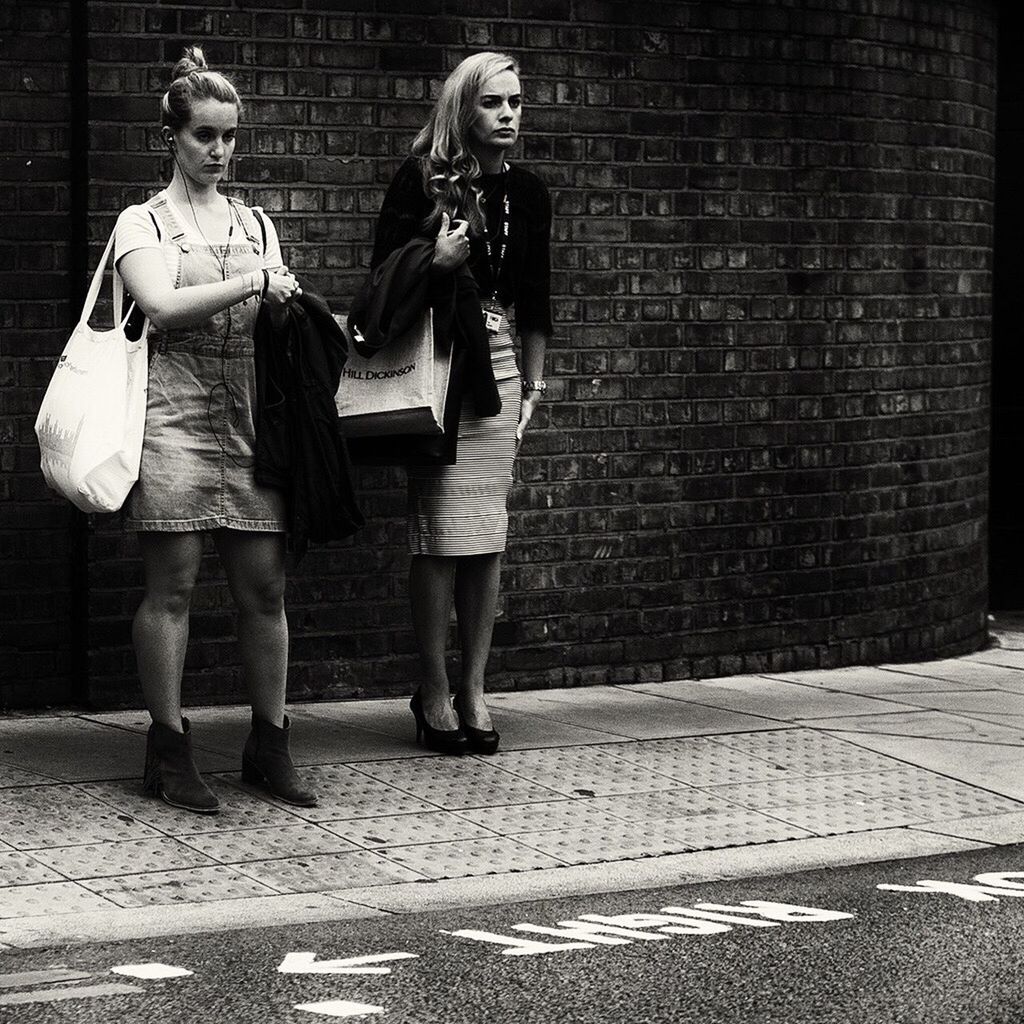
859, 954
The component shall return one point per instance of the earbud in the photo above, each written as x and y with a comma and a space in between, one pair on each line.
169, 140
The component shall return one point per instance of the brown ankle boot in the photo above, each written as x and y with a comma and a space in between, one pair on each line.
171, 771
267, 762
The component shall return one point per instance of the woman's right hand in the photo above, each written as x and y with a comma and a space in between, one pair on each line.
452, 248
282, 287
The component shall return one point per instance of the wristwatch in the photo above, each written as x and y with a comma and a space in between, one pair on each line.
540, 386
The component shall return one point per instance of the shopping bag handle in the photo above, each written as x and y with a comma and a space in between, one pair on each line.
120, 318
97, 283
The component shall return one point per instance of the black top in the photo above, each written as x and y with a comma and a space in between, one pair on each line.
525, 278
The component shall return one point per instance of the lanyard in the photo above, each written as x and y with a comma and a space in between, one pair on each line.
495, 267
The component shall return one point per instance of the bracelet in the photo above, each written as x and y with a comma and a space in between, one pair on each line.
538, 386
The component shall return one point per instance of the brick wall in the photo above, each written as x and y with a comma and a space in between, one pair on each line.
765, 445
1006, 528
40, 538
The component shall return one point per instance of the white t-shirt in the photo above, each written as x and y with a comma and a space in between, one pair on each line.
135, 229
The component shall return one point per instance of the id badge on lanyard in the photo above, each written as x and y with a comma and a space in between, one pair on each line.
492, 321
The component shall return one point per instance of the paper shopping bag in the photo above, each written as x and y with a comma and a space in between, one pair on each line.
401, 389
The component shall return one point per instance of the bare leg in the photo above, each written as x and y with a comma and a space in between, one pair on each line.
430, 593
170, 563
477, 579
255, 568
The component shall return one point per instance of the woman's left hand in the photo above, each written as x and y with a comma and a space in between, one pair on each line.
530, 402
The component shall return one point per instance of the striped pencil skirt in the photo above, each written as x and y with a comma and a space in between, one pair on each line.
463, 509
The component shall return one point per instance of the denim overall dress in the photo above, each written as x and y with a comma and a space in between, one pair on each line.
197, 457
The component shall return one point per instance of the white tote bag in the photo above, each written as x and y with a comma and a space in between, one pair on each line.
93, 415
401, 389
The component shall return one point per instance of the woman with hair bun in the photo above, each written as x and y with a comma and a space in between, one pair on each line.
482, 212
200, 265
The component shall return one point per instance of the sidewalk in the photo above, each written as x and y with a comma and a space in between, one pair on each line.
595, 789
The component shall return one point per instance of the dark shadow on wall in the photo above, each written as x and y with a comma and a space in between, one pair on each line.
1006, 521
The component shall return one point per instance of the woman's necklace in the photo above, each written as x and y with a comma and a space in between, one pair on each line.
222, 261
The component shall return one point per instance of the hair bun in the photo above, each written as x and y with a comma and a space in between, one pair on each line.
192, 59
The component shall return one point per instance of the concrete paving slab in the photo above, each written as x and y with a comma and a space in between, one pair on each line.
999, 829
408, 829
187, 885
997, 768
737, 826
24, 869
805, 752
71, 749
841, 817
603, 843
251, 844
519, 731
343, 792
700, 760
35, 818
459, 858
328, 871
999, 706
1007, 656
238, 809
973, 675
769, 698
96, 860
628, 712
866, 681
580, 772
933, 724
11, 776
655, 808
388, 716
453, 783
558, 814
48, 898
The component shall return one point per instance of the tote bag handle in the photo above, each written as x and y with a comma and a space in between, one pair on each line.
120, 320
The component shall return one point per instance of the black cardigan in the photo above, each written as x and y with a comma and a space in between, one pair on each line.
525, 279
299, 448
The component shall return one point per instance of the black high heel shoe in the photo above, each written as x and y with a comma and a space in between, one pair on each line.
481, 741
443, 741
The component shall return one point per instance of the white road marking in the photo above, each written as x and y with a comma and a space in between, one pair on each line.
339, 1008
55, 995
965, 890
40, 978
306, 963
779, 911
518, 947
151, 971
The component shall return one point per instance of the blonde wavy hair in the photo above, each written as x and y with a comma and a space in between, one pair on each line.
450, 169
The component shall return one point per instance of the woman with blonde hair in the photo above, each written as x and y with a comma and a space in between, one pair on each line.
200, 266
482, 212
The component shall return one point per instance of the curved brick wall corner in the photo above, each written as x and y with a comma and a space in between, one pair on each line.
766, 445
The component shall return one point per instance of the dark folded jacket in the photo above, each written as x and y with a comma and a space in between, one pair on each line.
389, 302
299, 448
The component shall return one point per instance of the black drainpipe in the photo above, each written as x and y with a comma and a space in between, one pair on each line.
78, 86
